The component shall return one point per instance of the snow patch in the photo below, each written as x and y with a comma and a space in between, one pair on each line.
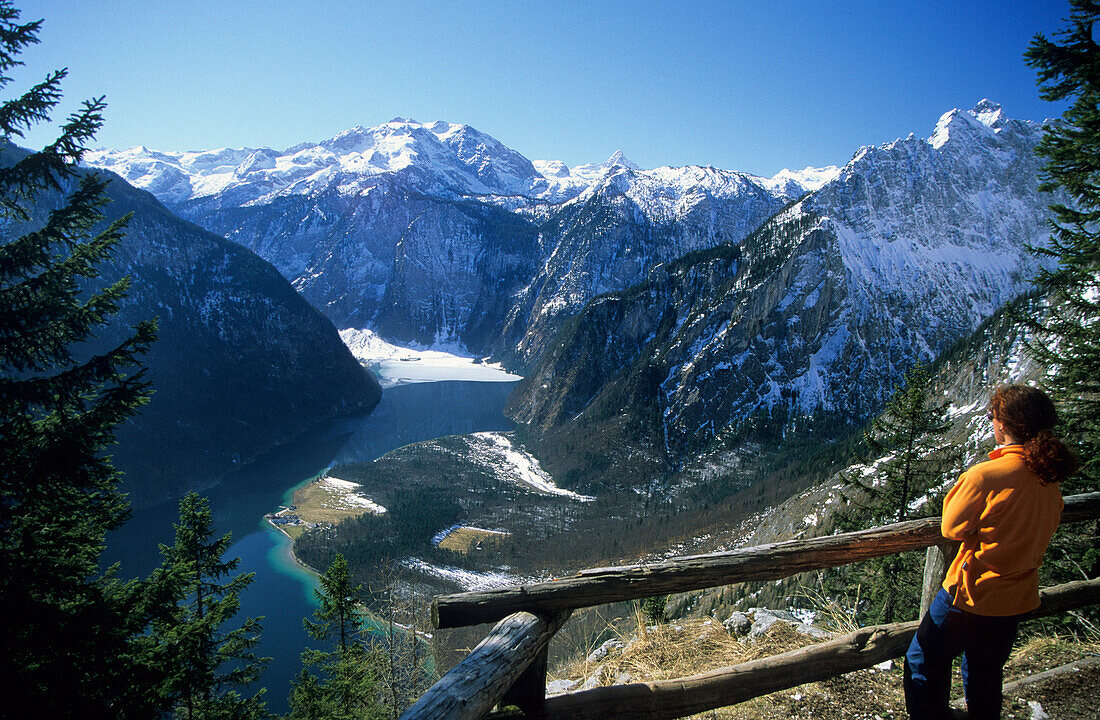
468, 579
517, 466
348, 495
954, 411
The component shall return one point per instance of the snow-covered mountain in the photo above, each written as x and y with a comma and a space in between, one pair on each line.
629, 221
440, 234
808, 322
440, 159
798, 182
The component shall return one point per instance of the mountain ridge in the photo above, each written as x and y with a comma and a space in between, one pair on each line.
343, 227
441, 157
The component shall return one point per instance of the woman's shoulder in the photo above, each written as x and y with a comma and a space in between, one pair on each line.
1004, 462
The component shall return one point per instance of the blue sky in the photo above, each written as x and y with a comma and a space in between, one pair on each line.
749, 86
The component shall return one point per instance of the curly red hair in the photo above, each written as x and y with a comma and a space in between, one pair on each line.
1028, 416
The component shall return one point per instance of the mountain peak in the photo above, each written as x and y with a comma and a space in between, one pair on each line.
989, 113
986, 117
618, 158
595, 171
799, 182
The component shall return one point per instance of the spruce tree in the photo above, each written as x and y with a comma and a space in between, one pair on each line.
75, 639
341, 684
337, 614
1069, 336
212, 667
905, 461
1071, 70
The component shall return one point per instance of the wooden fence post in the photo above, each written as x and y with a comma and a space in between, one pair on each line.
936, 560
473, 687
529, 691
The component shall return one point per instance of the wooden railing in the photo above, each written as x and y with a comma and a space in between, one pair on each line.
508, 667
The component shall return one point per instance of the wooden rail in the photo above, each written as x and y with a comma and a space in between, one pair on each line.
510, 662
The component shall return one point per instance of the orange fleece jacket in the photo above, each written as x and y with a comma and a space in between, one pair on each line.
1004, 518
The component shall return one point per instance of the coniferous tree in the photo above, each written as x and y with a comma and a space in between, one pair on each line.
337, 616
1070, 333
1072, 148
76, 641
906, 461
342, 684
212, 667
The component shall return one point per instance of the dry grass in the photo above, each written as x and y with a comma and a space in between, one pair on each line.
319, 503
465, 539
831, 614
692, 646
1043, 653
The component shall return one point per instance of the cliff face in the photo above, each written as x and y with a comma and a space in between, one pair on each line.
426, 269
607, 239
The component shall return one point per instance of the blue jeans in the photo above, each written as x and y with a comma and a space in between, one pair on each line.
946, 632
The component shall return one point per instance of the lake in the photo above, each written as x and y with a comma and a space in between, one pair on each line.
282, 591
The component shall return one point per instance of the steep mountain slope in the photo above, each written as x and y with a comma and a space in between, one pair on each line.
802, 327
965, 375
440, 234
242, 362
539, 531
629, 221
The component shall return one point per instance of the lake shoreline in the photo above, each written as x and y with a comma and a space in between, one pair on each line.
371, 619
436, 405
294, 556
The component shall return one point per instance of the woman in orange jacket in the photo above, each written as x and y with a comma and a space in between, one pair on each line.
1003, 512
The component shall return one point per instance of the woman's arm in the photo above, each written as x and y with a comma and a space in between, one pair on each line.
962, 509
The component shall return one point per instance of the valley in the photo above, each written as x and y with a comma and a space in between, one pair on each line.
673, 361
285, 410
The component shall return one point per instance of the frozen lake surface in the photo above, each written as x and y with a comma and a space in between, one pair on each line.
395, 365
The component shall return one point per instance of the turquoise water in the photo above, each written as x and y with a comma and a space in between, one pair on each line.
282, 590
281, 559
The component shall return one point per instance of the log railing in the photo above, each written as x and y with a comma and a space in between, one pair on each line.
509, 665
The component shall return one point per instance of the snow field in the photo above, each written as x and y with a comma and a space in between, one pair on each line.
468, 579
514, 465
346, 495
